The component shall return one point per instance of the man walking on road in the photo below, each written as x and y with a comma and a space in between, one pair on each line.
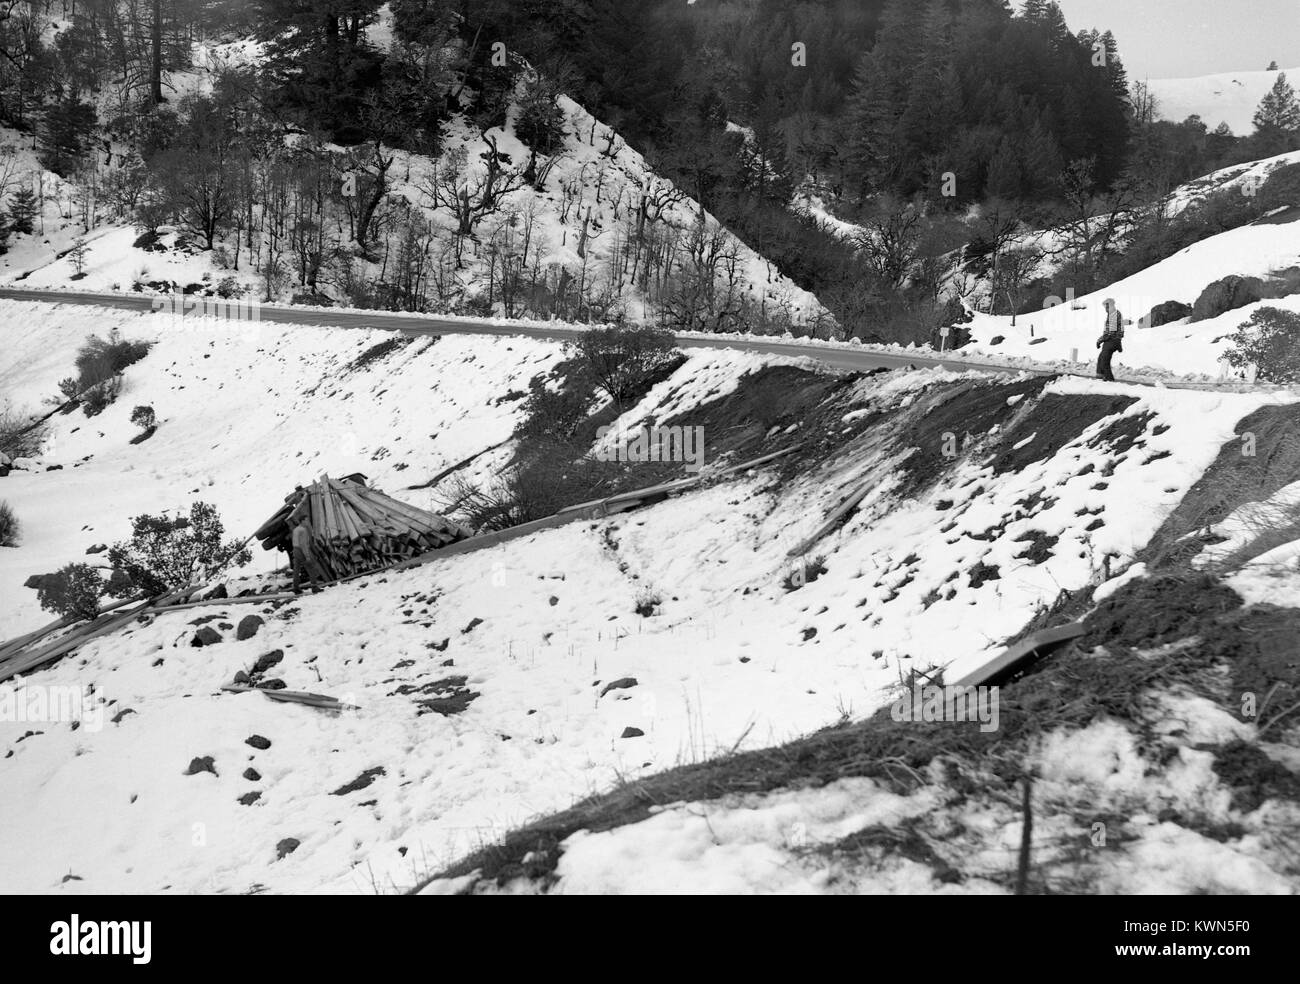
304, 558
1111, 340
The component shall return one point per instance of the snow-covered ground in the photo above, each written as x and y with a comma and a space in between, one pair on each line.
246, 411
1070, 330
538, 628
1225, 97
775, 842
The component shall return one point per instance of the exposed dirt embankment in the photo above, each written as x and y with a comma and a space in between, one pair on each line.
1156, 752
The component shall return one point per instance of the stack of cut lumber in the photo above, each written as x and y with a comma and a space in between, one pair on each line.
357, 528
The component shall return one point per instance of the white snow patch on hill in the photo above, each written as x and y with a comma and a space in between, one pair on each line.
246, 412
1225, 97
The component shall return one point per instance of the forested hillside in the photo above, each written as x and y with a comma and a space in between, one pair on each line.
880, 154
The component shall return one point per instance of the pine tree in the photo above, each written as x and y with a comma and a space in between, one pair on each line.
880, 95
1004, 176
323, 63
65, 135
934, 100
1279, 112
1041, 161
874, 140
23, 209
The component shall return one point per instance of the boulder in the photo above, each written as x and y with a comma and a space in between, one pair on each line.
248, 626
258, 742
1166, 313
632, 733
268, 660
1227, 294
620, 684
198, 765
206, 636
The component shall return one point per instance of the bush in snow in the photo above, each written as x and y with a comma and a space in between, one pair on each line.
77, 254
538, 487
144, 418
99, 359
622, 359
99, 397
1270, 340
540, 122
99, 366
8, 526
1281, 187
230, 287
168, 552
75, 590
19, 437
556, 415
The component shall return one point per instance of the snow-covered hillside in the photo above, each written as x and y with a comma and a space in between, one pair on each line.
1069, 329
1226, 97
246, 411
1181, 347
510, 682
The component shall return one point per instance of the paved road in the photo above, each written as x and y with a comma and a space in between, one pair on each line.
432, 325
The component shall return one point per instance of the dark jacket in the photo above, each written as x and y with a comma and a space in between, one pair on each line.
1113, 331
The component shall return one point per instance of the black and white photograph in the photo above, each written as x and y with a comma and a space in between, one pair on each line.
650, 447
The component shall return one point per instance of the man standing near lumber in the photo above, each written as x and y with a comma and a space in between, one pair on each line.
304, 558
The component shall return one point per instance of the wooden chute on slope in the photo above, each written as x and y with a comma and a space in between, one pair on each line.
357, 528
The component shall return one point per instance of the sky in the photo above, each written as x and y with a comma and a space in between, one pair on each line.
1174, 38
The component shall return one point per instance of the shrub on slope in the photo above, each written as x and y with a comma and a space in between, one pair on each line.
8, 526
74, 591
170, 553
1271, 341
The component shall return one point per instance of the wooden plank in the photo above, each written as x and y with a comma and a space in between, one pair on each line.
213, 602
679, 484
1020, 656
23, 641
292, 697
419, 518
26, 662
